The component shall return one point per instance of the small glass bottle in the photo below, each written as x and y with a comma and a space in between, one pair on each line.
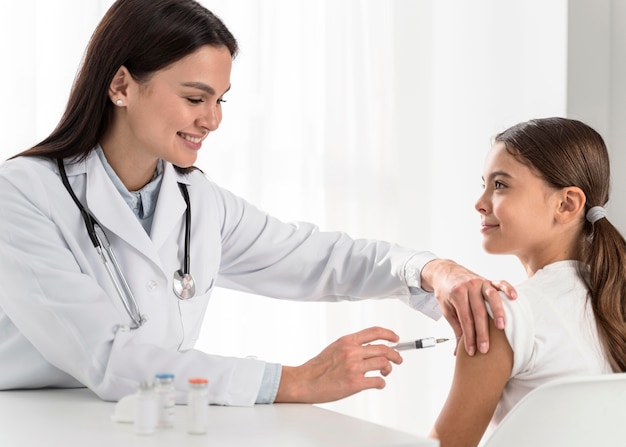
145, 409
197, 406
166, 400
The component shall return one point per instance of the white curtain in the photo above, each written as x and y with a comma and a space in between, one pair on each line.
374, 118
371, 117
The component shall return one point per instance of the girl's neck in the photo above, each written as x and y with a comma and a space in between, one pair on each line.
559, 251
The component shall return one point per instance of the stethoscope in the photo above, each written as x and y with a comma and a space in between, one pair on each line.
183, 284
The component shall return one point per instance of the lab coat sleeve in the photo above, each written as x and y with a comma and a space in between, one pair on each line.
62, 313
297, 261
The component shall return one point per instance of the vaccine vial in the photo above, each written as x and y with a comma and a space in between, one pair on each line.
166, 400
198, 406
146, 409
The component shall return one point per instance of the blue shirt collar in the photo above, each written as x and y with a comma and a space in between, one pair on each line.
142, 202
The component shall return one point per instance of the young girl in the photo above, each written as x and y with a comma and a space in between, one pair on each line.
546, 182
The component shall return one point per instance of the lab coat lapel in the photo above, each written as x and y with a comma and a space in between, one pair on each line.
109, 208
170, 207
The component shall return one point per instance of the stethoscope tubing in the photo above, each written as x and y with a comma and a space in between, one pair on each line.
121, 286
89, 220
186, 260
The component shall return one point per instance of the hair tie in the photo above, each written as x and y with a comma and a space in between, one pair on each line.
595, 213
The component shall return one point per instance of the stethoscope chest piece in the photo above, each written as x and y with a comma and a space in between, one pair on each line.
184, 286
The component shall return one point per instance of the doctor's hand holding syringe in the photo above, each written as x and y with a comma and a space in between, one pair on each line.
335, 372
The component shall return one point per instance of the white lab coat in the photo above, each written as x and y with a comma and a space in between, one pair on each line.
63, 324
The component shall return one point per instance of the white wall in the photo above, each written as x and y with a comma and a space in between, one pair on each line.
616, 136
596, 89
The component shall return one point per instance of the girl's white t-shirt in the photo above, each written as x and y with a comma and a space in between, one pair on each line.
552, 331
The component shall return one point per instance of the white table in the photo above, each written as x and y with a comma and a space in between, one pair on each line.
77, 417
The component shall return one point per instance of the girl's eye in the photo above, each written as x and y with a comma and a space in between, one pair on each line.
221, 101
499, 185
195, 101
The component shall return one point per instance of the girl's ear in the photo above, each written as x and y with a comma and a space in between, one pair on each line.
572, 204
119, 86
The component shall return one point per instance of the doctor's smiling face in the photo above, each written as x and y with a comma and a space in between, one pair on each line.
517, 210
166, 116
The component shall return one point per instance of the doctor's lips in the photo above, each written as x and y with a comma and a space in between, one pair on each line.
192, 138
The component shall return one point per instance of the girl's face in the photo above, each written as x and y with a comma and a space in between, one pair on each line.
517, 210
171, 114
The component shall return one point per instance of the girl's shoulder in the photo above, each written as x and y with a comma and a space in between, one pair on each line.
554, 281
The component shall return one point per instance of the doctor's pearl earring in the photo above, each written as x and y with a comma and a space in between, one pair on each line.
119, 102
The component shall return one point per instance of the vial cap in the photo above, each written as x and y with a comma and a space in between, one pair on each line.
165, 376
198, 381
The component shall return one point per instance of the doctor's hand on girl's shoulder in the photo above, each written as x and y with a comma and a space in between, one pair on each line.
462, 295
340, 370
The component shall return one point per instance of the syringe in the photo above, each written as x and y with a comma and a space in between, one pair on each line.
428, 342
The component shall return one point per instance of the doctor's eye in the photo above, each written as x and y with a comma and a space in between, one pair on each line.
195, 101
221, 101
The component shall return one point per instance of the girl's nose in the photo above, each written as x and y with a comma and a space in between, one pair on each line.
481, 204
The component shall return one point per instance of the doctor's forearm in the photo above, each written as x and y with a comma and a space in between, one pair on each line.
288, 390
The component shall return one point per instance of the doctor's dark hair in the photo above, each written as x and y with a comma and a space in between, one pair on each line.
142, 35
566, 152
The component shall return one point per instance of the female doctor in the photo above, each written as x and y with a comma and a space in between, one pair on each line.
111, 242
